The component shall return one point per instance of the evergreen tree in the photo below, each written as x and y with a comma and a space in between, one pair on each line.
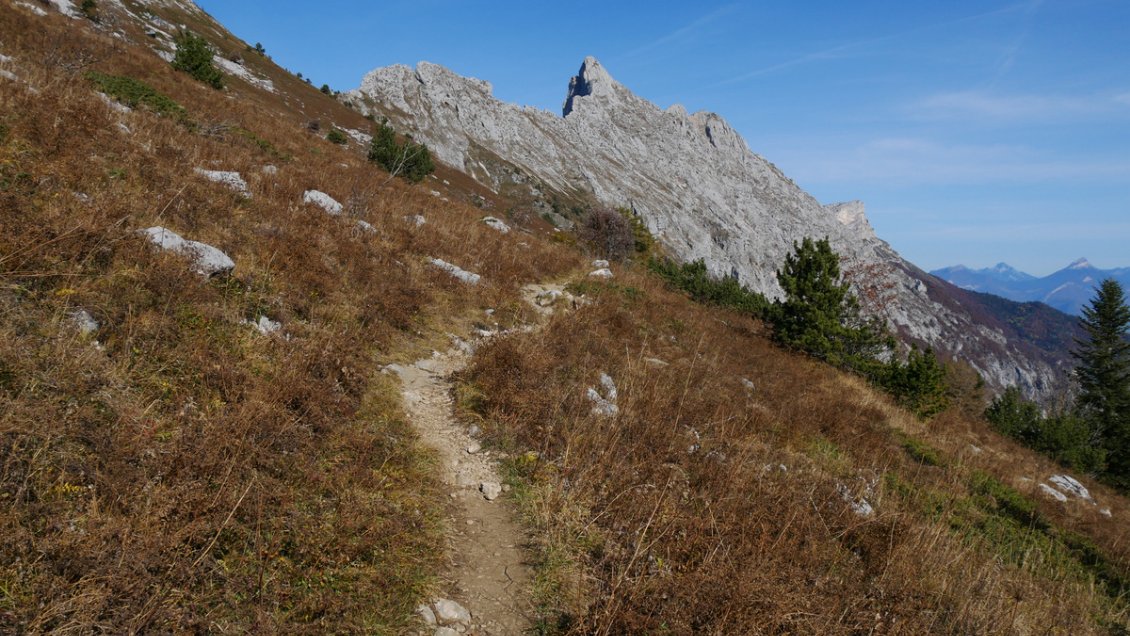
1103, 373
819, 314
919, 384
194, 56
409, 160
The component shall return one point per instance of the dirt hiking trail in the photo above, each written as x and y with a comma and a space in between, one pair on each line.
488, 574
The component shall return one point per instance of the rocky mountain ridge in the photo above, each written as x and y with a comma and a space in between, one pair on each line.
1067, 290
700, 190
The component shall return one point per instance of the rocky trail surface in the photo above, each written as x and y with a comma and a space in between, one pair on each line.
488, 575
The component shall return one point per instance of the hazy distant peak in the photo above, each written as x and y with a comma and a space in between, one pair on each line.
1080, 263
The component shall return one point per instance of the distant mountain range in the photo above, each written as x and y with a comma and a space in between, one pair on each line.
1068, 290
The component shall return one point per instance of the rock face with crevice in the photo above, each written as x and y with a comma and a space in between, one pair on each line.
701, 191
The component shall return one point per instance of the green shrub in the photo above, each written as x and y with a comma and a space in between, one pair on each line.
135, 94
922, 452
409, 159
998, 497
919, 384
89, 9
337, 137
644, 241
696, 281
1064, 437
194, 56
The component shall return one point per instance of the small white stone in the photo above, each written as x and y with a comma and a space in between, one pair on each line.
208, 260
266, 326
1070, 486
1052, 492
601, 406
603, 272
490, 489
449, 612
496, 224
1105, 512
600, 263
456, 271
609, 387
83, 321
427, 614
231, 179
473, 447
322, 200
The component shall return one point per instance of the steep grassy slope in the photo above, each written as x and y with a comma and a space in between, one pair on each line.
175, 470
727, 494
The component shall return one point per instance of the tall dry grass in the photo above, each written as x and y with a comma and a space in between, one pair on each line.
176, 470
705, 506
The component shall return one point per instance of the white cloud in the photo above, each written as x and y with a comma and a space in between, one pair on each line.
687, 32
901, 161
1016, 107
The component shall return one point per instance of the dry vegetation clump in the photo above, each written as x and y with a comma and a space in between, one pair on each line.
176, 470
707, 506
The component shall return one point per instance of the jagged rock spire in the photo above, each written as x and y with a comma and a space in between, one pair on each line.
592, 79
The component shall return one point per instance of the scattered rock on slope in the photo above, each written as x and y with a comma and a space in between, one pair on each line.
207, 260
322, 200
231, 179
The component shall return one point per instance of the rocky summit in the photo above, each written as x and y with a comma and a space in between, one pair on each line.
700, 190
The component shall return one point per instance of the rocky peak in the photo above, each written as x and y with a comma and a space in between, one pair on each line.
1080, 263
434, 74
591, 80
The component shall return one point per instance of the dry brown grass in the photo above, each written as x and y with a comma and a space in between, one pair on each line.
642, 534
186, 473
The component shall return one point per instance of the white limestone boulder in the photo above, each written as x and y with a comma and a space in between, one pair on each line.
208, 261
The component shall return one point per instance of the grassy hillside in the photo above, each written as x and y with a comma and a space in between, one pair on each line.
709, 504
176, 470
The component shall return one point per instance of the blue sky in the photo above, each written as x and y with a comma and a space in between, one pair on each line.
976, 132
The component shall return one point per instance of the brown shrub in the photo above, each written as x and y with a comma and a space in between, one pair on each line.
608, 233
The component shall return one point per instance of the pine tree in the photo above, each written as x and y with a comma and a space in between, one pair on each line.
820, 314
409, 160
919, 384
194, 56
1103, 373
